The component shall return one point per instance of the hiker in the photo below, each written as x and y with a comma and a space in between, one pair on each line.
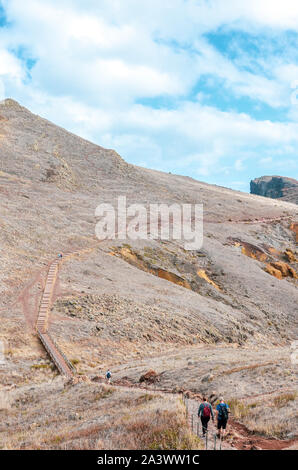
222, 411
60, 255
204, 412
108, 376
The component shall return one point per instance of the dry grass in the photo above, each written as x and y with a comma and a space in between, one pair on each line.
239, 409
154, 430
274, 417
92, 416
104, 393
41, 366
166, 429
283, 399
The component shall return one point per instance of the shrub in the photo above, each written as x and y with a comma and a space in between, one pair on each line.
283, 399
239, 409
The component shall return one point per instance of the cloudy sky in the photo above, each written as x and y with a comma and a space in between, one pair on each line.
205, 88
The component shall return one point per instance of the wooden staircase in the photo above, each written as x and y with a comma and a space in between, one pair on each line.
59, 359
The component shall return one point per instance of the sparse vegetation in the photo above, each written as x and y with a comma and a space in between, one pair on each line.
283, 399
41, 366
101, 417
75, 361
104, 393
239, 409
144, 399
274, 417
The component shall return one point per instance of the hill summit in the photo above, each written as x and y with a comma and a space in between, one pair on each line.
276, 187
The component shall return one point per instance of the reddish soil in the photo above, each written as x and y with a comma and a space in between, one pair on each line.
247, 440
30, 301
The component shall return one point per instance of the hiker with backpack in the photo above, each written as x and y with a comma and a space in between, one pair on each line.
204, 412
108, 376
222, 411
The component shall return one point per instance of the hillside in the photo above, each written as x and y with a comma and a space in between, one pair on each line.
130, 304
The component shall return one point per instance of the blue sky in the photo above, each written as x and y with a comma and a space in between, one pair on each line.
203, 88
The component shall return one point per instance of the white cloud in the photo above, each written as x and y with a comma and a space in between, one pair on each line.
274, 13
10, 65
239, 164
97, 60
113, 56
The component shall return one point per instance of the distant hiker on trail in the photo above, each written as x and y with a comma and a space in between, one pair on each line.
222, 411
60, 255
108, 376
204, 412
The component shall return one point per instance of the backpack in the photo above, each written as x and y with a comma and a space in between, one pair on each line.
206, 411
223, 412
108, 375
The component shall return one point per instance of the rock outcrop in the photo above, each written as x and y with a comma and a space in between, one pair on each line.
276, 187
281, 270
149, 377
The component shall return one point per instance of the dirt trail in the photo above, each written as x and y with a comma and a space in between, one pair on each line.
244, 439
24, 297
262, 220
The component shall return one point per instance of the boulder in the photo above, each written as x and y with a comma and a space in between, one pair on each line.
149, 377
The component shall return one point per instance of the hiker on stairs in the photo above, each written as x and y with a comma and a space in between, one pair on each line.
204, 412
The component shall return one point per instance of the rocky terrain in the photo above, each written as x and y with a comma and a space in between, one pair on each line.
276, 187
220, 319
